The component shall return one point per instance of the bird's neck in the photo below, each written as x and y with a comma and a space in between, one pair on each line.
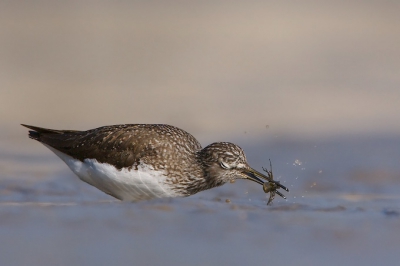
205, 177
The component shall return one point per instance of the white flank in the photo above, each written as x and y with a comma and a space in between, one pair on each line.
128, 185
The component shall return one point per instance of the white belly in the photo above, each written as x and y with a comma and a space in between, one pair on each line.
130, 185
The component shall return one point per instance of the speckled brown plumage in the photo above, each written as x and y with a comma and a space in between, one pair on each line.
122, 145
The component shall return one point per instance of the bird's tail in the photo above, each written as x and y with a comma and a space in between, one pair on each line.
37, 132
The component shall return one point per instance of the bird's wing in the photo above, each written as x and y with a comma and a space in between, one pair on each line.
120, 145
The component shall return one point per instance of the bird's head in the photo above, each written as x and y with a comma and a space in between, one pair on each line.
224, 162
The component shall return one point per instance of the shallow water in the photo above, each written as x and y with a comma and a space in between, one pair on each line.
343, 208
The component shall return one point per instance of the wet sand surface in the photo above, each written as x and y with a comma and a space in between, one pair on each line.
343, 208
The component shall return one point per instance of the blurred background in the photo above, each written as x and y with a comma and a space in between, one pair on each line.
313, 85
215, 68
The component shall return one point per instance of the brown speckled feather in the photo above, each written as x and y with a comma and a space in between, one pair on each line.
120, 145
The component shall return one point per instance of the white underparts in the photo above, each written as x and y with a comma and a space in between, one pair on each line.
128, 185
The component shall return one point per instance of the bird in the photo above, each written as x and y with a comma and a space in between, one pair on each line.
133, 162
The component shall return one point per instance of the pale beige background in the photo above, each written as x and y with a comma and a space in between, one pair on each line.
214, 68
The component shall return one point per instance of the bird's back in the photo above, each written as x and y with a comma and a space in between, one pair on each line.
123, 146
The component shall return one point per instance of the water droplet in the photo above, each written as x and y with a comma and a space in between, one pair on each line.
297, 162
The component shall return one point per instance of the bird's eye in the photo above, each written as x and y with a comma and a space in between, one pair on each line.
225, 165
